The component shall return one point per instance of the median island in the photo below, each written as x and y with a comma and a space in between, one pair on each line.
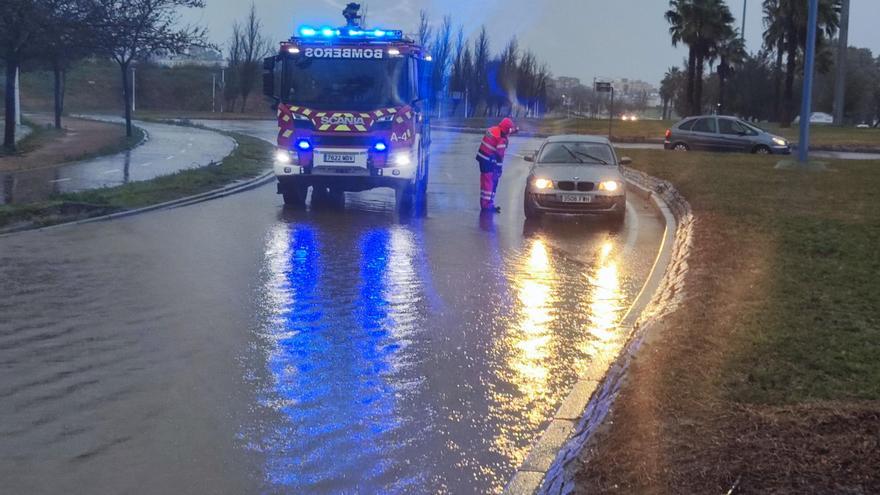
767, 379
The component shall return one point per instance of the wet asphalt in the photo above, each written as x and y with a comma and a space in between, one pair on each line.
238, 347
167, 149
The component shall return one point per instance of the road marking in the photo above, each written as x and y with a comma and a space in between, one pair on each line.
170, 157
146, 164
60, 180
108, 172
632, 227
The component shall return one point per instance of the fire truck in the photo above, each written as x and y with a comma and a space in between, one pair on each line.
352, 108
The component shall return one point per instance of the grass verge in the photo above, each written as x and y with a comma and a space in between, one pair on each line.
767, 378
822, 137
249, 160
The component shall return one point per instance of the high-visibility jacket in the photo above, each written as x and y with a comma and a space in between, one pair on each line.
494, 146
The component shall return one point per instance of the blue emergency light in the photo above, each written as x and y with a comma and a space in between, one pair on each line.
347, 33
304, 145
380, 146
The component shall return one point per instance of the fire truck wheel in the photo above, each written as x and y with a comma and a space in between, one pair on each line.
296, 198
406, 196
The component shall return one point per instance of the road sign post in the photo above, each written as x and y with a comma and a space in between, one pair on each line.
606, 87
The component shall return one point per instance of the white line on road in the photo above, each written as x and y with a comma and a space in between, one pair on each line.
145, 164
60, 180
632, 221
108, 172
170, 157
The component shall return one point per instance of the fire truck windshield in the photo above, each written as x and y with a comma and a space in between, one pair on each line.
345, 84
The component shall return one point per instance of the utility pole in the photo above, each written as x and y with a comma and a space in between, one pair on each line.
213, 93
809, 72
742, 31
222, 87
840, 80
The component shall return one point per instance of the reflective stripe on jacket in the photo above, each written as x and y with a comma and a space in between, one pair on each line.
493, 146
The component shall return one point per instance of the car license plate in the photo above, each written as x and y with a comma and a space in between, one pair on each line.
343, 158
576, 198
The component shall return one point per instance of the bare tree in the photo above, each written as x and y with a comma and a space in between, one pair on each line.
480, 79
136, 29
21, 23
69, 40
441, 52
424, 34
253, 48
233, 64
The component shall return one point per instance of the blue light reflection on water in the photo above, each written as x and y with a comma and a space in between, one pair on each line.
335, 369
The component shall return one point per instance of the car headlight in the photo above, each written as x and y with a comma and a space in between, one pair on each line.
543, 183
609, 185
283, 157
780, 141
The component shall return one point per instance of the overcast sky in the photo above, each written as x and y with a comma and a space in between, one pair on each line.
579, 38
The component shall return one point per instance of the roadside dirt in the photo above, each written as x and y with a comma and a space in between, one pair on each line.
673, 430
80, 138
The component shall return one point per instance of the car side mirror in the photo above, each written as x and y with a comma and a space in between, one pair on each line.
626, 160
529, 158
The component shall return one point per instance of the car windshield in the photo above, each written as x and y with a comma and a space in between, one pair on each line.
577, 153
333, 84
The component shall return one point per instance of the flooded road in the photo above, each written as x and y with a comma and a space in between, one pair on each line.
237, 347
167, 149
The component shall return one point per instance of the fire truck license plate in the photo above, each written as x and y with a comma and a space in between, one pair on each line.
342, 158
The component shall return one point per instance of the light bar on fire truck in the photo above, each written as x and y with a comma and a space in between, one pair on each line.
351, 33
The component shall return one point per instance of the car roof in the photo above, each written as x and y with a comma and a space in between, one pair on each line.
578, 138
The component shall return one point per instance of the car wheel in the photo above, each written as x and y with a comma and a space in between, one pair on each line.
617, 218
529, 209
681, 147
762, 150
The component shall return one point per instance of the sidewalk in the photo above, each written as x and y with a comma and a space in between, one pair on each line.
167, 149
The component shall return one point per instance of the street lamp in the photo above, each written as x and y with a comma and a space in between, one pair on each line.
809, 70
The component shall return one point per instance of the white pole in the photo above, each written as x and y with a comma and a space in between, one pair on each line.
17, 96
133, 92
223, 87
213, 93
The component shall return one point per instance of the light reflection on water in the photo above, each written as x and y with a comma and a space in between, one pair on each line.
362, 399
336, 385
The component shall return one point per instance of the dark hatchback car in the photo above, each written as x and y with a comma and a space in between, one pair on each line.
721, 133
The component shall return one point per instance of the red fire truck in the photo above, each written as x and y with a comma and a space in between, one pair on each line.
352, 113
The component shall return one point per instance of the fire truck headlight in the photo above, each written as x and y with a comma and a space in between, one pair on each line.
403, 159
283, 157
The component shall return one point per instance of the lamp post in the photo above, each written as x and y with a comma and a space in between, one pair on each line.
742, 31
809, 69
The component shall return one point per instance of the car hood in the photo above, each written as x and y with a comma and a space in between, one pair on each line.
583, 172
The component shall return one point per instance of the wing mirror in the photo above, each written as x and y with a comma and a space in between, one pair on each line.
626, 160
529, 156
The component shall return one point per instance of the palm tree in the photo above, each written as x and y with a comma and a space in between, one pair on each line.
700, 24
669, 87
785, 24
731, 52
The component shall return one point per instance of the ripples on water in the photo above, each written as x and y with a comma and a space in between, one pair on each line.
375, 388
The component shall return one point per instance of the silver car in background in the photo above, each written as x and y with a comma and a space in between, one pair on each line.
577, 175
723, 133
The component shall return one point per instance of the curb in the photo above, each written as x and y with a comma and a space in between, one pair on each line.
229, 190
475, 130
545, 468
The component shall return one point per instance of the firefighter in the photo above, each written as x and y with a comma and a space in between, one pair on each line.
490, 158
